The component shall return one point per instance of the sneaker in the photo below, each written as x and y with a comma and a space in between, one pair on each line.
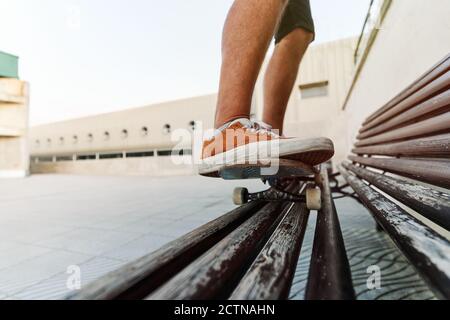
243, 142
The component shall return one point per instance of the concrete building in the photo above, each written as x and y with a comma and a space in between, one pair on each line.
339, 84
14, 97
132, 142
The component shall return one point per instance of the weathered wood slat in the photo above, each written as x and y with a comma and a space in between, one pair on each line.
436, 105
432, 147
435, 72
427, 251
434, 172
216, 273
270, 277
137, 279
431, 203
329, 274
433, 126
433, 88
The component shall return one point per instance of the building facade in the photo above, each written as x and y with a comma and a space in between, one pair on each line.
9, 65
14, 101
139, 141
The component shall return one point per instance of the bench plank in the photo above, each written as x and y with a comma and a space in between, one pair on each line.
270, 277
437, 105
439, 69
428, 251
436, 125
431, 203
215, 274
432, 147
137, 279
329, 273
437, 171
426, 92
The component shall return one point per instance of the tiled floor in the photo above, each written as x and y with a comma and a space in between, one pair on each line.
48, 223
366, 247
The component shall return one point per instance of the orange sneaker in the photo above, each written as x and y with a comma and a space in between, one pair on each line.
243, 142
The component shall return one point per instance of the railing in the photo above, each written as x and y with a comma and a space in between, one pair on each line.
372, 24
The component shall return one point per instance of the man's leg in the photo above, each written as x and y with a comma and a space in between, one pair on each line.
248, 31
281, 75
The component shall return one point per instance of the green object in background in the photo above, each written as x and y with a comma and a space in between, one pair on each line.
9, 65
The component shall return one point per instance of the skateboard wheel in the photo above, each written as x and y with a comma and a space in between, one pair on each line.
313, 199
240, 196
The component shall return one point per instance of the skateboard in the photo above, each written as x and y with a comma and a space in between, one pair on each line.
299, 161
278, 176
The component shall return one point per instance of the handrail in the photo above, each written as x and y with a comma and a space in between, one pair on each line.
361, 36
371, 36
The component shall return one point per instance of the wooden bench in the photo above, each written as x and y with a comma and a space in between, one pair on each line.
401, 172
252, 252
249, 253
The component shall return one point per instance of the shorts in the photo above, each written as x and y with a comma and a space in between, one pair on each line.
297, 15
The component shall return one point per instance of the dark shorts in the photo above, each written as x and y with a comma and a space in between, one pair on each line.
297, 15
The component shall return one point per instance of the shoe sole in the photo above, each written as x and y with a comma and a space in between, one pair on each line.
308, 151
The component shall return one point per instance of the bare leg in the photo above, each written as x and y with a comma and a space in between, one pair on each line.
281, 75
247, 34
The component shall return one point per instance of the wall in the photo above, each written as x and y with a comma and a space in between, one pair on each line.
53, 144
58, 138
14, 157
156, 166
413, 37
9, 66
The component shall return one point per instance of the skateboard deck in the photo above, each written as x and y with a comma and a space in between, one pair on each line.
280, 168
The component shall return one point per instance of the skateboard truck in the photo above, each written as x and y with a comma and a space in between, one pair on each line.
312, 196
287, 171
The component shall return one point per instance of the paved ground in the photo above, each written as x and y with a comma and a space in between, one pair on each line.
48, 223
366, 247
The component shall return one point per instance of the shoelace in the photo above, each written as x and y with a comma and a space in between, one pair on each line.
260, 127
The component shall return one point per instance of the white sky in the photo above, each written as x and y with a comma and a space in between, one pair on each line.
92, 56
